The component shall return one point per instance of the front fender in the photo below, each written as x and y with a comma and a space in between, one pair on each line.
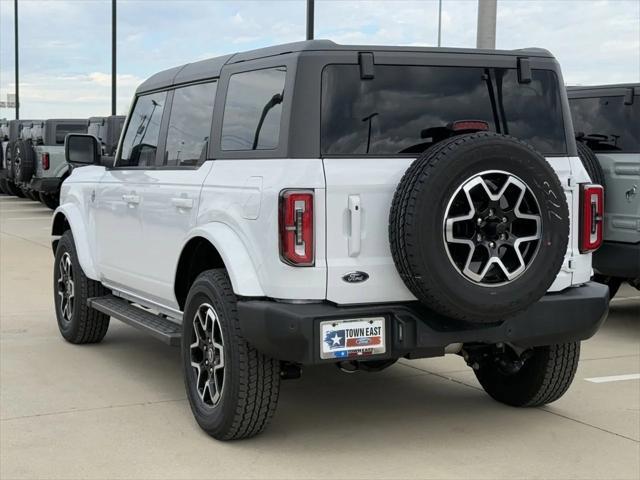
73, 217
241, 269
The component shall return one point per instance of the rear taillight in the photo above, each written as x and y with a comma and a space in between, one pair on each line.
591, 217
45, 161
296, 227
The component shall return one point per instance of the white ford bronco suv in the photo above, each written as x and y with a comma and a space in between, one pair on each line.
314, 203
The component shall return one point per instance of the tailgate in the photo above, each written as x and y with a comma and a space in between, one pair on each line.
359, 194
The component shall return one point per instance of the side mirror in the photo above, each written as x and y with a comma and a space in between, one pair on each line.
82, 149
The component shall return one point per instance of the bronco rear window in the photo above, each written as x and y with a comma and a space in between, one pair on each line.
405, 109
607, 124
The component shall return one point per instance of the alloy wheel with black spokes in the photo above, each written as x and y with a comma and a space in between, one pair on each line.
78, 323
207, 355
479, 227
492, 228
66, 287
231, 387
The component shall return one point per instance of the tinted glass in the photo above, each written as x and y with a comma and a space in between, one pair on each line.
253, 109
190, 124
405, 109
606, 124
63, 130
141, 139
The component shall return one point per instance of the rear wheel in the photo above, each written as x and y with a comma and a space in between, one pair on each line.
3, 186
14, 189
77, 322
51, 200
540, 377
231, 387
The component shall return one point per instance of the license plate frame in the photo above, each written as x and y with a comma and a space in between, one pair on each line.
352, 338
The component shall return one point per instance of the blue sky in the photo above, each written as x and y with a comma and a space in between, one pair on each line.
65, 45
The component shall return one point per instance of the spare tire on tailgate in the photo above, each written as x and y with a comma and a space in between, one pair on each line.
24, 161
479, 227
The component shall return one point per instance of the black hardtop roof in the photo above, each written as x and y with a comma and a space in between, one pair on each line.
593, 91
103, 119
211, 67
577, 88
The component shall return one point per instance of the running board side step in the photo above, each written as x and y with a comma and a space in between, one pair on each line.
157, 326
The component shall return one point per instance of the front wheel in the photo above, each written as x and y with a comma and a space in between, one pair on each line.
77, 322
231, 387
544, 376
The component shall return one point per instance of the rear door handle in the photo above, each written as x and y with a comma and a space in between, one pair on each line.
355, 212
131, 199
181, 202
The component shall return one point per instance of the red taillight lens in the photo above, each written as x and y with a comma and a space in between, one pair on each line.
296, 227
45, 161
591, 217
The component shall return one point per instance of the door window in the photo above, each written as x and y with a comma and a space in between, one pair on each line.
253, 110
141, 139
190, 124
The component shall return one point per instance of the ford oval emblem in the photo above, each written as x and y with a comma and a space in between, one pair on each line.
355, 277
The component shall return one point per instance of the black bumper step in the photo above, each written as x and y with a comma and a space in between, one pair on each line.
165, 330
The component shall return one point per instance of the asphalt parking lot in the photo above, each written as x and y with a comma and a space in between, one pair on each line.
118, 409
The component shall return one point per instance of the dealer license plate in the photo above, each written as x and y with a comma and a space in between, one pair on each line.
352, 338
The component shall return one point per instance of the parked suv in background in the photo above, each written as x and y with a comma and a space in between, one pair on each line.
315, 203
606, 120
7, 173
4, 141
39, 163
107, 130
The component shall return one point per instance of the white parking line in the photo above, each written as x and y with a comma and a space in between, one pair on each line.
614, 378
44, 217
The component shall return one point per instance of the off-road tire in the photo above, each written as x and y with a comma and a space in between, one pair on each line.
543, 378
590, 163
416, 231
3, 186
30, 194
23, 159
14, 189
86, 325
251, 380
51, 200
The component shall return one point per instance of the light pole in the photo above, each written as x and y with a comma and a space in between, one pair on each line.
113, 57
439, 23
15, 44
487, 10
310, 19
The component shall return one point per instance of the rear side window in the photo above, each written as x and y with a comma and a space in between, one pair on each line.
141, 139
606, 124
190, 124
63, 130
406, 109
253, 110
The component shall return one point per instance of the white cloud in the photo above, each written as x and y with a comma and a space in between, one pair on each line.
65, 44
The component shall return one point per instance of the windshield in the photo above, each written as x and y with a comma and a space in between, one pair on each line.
406, 109
607, 124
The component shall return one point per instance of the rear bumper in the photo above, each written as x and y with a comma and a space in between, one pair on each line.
291, 331
46, 185
616, 259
